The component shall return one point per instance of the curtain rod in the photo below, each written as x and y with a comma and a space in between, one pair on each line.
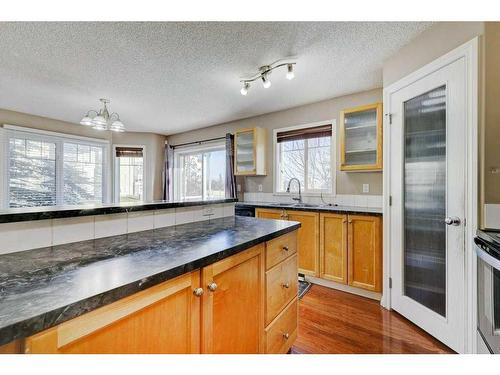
198, 142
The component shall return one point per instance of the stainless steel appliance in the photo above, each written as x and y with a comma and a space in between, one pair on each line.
488, 288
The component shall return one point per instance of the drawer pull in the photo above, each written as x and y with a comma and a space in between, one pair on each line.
212, 286
286, 336
285, 285
285, 248
198, 292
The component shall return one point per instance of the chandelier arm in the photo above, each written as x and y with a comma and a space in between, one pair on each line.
111, 116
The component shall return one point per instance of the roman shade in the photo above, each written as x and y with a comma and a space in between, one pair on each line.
132, 152
306, 133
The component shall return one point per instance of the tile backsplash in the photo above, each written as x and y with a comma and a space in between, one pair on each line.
371, 201
20, 236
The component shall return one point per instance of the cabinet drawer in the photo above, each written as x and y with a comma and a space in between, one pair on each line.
280, 248
281, 287
282, 332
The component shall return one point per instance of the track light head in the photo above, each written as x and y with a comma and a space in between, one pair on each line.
265, 81
244, 89
290, 73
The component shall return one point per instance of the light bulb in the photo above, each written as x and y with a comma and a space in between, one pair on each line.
290, 74
86, 120
244, 89
265, 81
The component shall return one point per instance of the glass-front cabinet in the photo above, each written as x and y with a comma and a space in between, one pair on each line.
249, 154
361, 138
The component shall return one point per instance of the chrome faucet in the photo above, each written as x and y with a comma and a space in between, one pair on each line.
299, 199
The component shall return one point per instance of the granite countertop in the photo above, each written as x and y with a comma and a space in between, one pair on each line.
316, 208
11, 215
44, 287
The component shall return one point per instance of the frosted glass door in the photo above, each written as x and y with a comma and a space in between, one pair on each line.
245, 158
361, 138
425, 199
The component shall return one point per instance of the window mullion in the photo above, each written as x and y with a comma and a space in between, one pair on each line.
306, 164
59, 173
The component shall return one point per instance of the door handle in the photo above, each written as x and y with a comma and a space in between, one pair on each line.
452, 220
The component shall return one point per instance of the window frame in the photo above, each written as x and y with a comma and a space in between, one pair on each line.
212, 146
13, 131
333, 160
116, 173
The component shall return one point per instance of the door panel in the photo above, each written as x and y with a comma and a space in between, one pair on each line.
428, 160
333, 247
235, 309
307, 241
365, 252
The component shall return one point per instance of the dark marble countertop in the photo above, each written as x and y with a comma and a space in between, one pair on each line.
11, 215
44, 287
316, 208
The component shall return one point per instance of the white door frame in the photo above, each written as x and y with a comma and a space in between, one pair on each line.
470, 52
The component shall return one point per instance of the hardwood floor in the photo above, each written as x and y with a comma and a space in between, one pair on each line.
336, 322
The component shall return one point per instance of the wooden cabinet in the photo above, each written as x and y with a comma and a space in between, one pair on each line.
307, 240
219, 309
333, 247
233, 304
365, 252
250, 152
361, 138
307, 236
162, 319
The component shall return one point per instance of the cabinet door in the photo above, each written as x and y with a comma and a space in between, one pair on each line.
361, 138
244, 156
333, 247
365, 252
307, 241
233, 304
268, 213
162, 319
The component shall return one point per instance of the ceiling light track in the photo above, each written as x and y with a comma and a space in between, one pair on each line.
264, 72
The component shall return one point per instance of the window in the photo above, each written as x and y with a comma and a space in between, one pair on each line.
200, 172
306, 154
46, 170
129, 177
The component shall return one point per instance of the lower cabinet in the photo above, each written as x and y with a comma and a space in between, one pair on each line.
307, 237
218, 309
365, 252
162, 319
343, 248
333, 247
233, 304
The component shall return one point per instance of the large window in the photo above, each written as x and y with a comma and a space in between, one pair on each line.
47, 170
304, 153
129, 176
200, 172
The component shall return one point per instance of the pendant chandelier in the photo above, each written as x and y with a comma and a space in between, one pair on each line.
102, 120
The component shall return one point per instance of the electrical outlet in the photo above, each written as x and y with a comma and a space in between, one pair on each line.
238, 188
260, 187
366, 188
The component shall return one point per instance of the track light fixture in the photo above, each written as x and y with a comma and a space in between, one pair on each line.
264, 72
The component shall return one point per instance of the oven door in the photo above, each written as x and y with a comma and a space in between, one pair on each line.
488, 294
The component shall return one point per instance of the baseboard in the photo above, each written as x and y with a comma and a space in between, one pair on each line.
345, 288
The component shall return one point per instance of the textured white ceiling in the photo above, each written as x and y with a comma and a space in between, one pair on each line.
170, 77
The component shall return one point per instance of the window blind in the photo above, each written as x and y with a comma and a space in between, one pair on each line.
132, 152
306, 133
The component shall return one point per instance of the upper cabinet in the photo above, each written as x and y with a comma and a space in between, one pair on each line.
250, 152
361, 138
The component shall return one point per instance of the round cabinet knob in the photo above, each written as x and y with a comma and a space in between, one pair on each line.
212, 286
285, 285
286, 336
453, 220
285, 248
198, 292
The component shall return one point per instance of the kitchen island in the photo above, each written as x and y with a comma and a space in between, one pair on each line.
216, 286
